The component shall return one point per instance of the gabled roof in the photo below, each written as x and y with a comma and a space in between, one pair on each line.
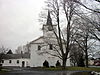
10, 52
35, 41
42, 40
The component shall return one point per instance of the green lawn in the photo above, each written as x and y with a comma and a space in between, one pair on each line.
83, 69
3, 70
74, 69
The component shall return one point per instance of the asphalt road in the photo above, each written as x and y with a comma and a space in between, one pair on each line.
26, 71
36, 73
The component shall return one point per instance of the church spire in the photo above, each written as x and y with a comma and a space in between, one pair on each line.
49, 20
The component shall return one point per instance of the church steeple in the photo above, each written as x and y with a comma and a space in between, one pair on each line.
49, 28
49, 20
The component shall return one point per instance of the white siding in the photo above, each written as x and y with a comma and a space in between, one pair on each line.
14, 62
37, 59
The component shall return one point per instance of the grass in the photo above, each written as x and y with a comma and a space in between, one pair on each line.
74, 69
83, 69
3, 70
81, 73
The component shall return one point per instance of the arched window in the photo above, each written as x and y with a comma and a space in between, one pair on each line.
50, 46
39, 47
10, 61
2, 61
17, 61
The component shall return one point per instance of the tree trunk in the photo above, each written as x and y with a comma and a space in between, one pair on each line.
74, 64
64, 63
86, 57
86, 53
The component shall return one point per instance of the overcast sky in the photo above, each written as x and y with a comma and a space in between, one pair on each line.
19, 22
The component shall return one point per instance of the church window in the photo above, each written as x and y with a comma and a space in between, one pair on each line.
39, 47
17, 61
2, 61
50, 46
10, 61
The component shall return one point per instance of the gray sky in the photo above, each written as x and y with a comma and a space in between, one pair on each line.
19, 22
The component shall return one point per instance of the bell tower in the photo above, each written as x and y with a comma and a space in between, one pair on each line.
49, 28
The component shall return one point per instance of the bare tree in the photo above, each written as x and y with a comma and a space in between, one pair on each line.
82, 4
3, 51
76, 54
97, 0
63, 45
94, 20
83, 37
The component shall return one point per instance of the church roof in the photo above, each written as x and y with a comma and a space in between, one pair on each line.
42, 40
15, 56
35, 41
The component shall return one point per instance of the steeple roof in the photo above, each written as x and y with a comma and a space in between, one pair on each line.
49, 20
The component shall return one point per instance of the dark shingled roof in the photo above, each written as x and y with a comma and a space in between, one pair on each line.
16, 56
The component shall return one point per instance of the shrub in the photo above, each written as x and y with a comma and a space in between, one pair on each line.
0, 67
52, 66
81, 62
45, 64
58, 64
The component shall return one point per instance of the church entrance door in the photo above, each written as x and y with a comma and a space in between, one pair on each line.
23, 63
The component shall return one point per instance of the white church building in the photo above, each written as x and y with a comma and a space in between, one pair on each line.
40, 49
